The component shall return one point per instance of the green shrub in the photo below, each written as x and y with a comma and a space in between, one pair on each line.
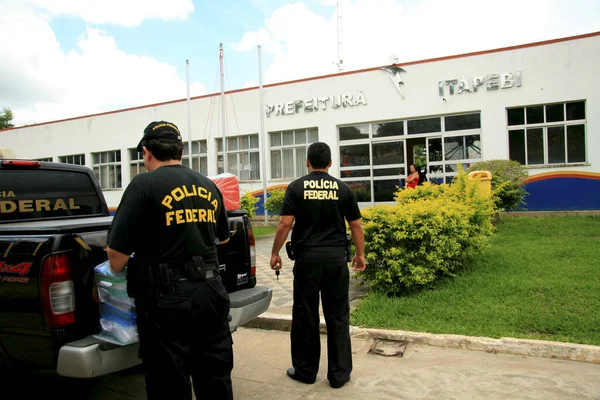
275, 201
431, 232
248, 204
508, 179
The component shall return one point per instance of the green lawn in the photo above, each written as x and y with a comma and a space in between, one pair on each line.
260, 231
540, 279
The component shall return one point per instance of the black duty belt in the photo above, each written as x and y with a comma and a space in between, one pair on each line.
164, 275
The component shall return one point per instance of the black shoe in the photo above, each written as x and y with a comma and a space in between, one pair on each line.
291, 372
338, 385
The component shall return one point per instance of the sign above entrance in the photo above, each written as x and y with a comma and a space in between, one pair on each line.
313, 105
504, 80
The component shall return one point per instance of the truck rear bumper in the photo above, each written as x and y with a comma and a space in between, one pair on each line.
91, 357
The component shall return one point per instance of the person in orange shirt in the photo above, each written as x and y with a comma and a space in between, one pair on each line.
413, 179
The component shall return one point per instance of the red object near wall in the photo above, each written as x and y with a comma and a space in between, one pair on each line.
229, 185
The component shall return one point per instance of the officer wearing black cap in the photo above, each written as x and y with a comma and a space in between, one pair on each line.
319, 204
172, 219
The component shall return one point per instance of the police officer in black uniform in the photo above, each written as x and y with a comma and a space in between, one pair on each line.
172, 219
319, 203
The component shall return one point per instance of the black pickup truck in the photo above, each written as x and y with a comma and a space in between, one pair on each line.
53, 225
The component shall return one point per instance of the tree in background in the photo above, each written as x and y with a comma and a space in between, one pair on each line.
275, 201
6, 118
248, 204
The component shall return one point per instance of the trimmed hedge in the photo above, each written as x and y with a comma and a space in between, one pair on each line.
431, 232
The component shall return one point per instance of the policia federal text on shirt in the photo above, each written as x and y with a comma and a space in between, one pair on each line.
172, 219
319, 203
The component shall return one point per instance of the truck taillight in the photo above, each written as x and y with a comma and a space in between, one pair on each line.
252, 244
58, 291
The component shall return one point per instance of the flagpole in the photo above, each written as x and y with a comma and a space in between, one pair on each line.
189, 113
263, 135
225, 158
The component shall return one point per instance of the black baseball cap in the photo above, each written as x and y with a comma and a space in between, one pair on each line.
160, 130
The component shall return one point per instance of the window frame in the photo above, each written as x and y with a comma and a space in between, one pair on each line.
294, 147
239, 152
115, 166
545, 126
69, 159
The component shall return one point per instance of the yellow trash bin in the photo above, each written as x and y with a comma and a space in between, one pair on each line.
485, 184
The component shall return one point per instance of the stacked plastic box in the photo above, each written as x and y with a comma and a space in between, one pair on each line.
117, 309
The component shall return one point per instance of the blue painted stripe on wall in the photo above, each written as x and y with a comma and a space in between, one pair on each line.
563, 194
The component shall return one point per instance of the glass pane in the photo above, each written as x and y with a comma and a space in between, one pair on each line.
245, 142
354, 156
195, 164
361, 189
436, 169
196, 147
462, 122
133, 154
233, 166
219, 144
119, 177
419, 154
220, 164
313, 135
535, 115
255, 165
555, 112
385, 190
388, 171
435, 149
103, 158
535, 146
556, 144
288, 138
203, 165
301, 162
301, 136
356, 173
186, 148
288, 163
451, 168
388, 129
516, 116
275, 139
354, 132
462, 147
388, 153
118, 155
203, 148
104, 180
254, 141
276, 164
111, 157
95, 158
516, 145
232, 144
576, 143
424, 126
576, 111
133, 170
97, 173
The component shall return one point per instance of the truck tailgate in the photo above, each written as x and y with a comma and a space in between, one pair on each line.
91, 357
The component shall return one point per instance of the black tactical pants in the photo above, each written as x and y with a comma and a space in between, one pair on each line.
187, 334
324, 270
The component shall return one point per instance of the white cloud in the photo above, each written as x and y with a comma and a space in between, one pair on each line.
117, 12
42, 82
304, 43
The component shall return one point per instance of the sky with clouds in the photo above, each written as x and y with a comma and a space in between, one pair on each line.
66, 58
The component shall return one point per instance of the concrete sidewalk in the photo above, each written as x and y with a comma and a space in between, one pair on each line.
279, 316
423, 372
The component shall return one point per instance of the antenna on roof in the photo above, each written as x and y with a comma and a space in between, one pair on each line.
340, 31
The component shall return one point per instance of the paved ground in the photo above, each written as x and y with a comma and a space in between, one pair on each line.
261, 358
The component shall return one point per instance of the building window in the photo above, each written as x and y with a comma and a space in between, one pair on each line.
547, 134
46, 159
107, 168
374, 157
199, 156
243, 157
77, 159
136, 163
288, 152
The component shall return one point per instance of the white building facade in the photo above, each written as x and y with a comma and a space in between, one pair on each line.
538, 104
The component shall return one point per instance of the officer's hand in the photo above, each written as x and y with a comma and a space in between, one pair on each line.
275, 262
358, 263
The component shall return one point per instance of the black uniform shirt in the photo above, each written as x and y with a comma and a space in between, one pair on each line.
319, 203
169, 214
